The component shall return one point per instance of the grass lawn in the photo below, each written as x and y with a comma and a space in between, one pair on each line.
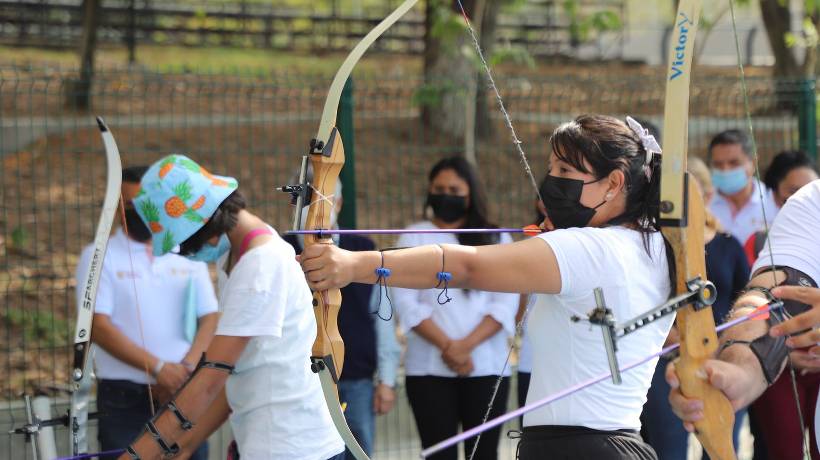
213, 60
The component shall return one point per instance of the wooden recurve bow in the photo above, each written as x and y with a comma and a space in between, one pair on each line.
682, 223
327, 158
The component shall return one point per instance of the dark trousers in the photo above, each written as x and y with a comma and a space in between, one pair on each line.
124, 409
581, 443
441, 404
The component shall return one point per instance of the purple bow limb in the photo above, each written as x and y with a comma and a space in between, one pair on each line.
568, 391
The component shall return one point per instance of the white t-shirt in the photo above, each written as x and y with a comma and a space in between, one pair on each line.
748, 219
525, 354
279, 411
456, 318
794, 243
153, 294
614, 259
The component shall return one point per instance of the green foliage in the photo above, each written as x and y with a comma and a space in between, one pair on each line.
19, 237
585, 26
42, 328
446, 25
512, 55
430, 95
808, 38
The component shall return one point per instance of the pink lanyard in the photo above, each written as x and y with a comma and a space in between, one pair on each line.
246, 241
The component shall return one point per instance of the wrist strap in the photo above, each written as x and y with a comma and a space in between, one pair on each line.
158, 368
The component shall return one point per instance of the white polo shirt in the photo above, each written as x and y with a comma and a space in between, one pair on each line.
748, 219
161, 287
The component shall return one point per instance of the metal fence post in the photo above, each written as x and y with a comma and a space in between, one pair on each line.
807, 117
344, 121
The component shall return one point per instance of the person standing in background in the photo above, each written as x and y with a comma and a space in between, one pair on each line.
742, 205
136, 290
456, 338
788, 172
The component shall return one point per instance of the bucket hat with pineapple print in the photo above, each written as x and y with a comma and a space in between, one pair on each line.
177, 196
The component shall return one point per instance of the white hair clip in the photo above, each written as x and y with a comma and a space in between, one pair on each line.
649, 143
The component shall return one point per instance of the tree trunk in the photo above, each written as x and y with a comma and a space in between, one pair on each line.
447, 70
78, 92
484, 107
777, 20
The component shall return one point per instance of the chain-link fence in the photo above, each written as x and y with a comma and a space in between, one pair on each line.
255, 127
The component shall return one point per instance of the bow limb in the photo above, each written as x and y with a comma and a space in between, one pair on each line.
682, 222
78, 409
327, 158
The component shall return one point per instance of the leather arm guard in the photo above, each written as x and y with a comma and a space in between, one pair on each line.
770, 351
171, 449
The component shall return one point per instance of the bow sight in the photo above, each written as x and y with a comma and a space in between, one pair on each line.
702, 294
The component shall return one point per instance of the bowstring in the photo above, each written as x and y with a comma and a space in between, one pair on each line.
519, 327
137, 304
768, 243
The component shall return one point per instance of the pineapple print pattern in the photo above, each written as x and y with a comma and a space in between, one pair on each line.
168, 242
151, 213
191, 166
172, 214
176, 205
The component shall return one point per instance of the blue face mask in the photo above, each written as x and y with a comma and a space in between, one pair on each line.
730, 181
210, 253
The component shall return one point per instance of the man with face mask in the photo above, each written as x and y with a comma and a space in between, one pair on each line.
737, 205
137, 290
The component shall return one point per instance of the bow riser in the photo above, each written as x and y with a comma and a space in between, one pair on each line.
327, 163
698, 338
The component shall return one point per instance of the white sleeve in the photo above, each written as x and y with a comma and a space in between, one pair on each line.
255, 300
205, 295
410, 308
791, 241
580, 260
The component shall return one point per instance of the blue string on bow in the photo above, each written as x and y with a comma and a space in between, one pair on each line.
382, 274
444, 277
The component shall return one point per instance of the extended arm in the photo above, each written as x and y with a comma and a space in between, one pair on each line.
193, 402
522, 267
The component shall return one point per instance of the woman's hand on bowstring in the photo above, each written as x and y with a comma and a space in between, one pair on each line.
326, 266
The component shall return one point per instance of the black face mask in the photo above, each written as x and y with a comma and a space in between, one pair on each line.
562, 199
448, 208
137, 230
